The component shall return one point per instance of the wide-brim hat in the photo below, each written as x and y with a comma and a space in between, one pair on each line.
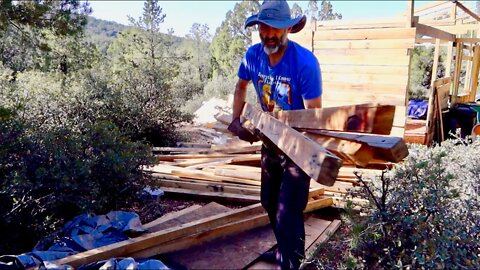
276, 13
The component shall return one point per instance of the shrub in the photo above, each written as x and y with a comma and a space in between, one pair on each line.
426, 210
49, 177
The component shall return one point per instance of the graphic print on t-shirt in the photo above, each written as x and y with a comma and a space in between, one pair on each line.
275, 92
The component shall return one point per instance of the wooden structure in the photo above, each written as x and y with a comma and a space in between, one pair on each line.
369, 61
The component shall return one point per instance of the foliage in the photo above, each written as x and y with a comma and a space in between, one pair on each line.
231, 39
425, 212
196, 69
27, 29
324, 13
102, 33
48, 177
296, 11
421, 71
144, 67
64, 17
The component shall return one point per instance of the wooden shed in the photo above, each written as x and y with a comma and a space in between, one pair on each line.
369, 61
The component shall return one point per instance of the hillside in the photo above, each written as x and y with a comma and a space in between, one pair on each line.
102, 32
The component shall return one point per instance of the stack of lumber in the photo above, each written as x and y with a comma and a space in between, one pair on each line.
329, 144
318, 140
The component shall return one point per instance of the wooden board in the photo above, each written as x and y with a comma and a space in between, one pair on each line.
363, 60
321, 239
187, 215
371, 118
210, 187
365, 34
314, 228
214, 195
387, 148
365, 44
313, 159
156, 224
229, 252
358, 153
149, 240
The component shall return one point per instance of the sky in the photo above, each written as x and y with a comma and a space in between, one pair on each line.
180, 15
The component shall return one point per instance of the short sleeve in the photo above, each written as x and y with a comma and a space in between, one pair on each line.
243, 71
311, 79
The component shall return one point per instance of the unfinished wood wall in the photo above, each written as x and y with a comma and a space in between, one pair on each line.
362, 65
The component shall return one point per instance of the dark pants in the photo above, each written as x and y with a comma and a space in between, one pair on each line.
284, 195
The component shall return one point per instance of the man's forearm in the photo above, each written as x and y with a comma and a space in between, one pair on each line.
238, 101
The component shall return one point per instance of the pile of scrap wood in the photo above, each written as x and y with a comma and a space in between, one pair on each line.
329, 144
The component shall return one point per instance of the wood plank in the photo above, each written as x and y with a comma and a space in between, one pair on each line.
359, 154
362, 52
365, 69
214, 195
405, 43
198, 238
468, 11
366, 88
246, 247
475, 73
311, 251
410, 18
192, 156
156, 238
238, 174
313, 159
363, 60
200, 181
426, 30
199, 174
187, 215
372, 118
207, 187
153, 225
338, 97
219, 231
386, 148
363, 78
365, 34
314, 227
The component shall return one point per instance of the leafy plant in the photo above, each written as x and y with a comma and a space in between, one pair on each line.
425, 211
48, 177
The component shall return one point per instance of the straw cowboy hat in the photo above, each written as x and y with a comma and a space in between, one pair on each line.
276, 13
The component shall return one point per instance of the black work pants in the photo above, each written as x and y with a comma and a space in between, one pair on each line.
284, 195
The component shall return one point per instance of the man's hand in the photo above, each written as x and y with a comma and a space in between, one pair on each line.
237, 129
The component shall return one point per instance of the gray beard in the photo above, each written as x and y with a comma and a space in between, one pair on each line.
272, 50
269, 50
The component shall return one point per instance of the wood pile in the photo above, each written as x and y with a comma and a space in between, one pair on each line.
340, 140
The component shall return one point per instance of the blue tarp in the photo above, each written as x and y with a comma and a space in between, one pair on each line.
417, 109
83, 233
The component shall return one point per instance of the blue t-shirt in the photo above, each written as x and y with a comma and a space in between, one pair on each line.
285, 85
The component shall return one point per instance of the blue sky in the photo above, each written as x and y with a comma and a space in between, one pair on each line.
182, 14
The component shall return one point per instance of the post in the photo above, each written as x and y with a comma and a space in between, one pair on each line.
475, 71
410, 12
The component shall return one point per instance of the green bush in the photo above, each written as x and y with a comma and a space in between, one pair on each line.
426, 211
49, 177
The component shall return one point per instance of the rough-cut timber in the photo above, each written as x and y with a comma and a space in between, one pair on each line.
358, 153
370, 118
153, 239
312, 158
386, 148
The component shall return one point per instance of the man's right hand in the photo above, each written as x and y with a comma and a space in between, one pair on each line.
244, 134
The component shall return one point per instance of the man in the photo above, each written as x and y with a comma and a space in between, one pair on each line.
286, 76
